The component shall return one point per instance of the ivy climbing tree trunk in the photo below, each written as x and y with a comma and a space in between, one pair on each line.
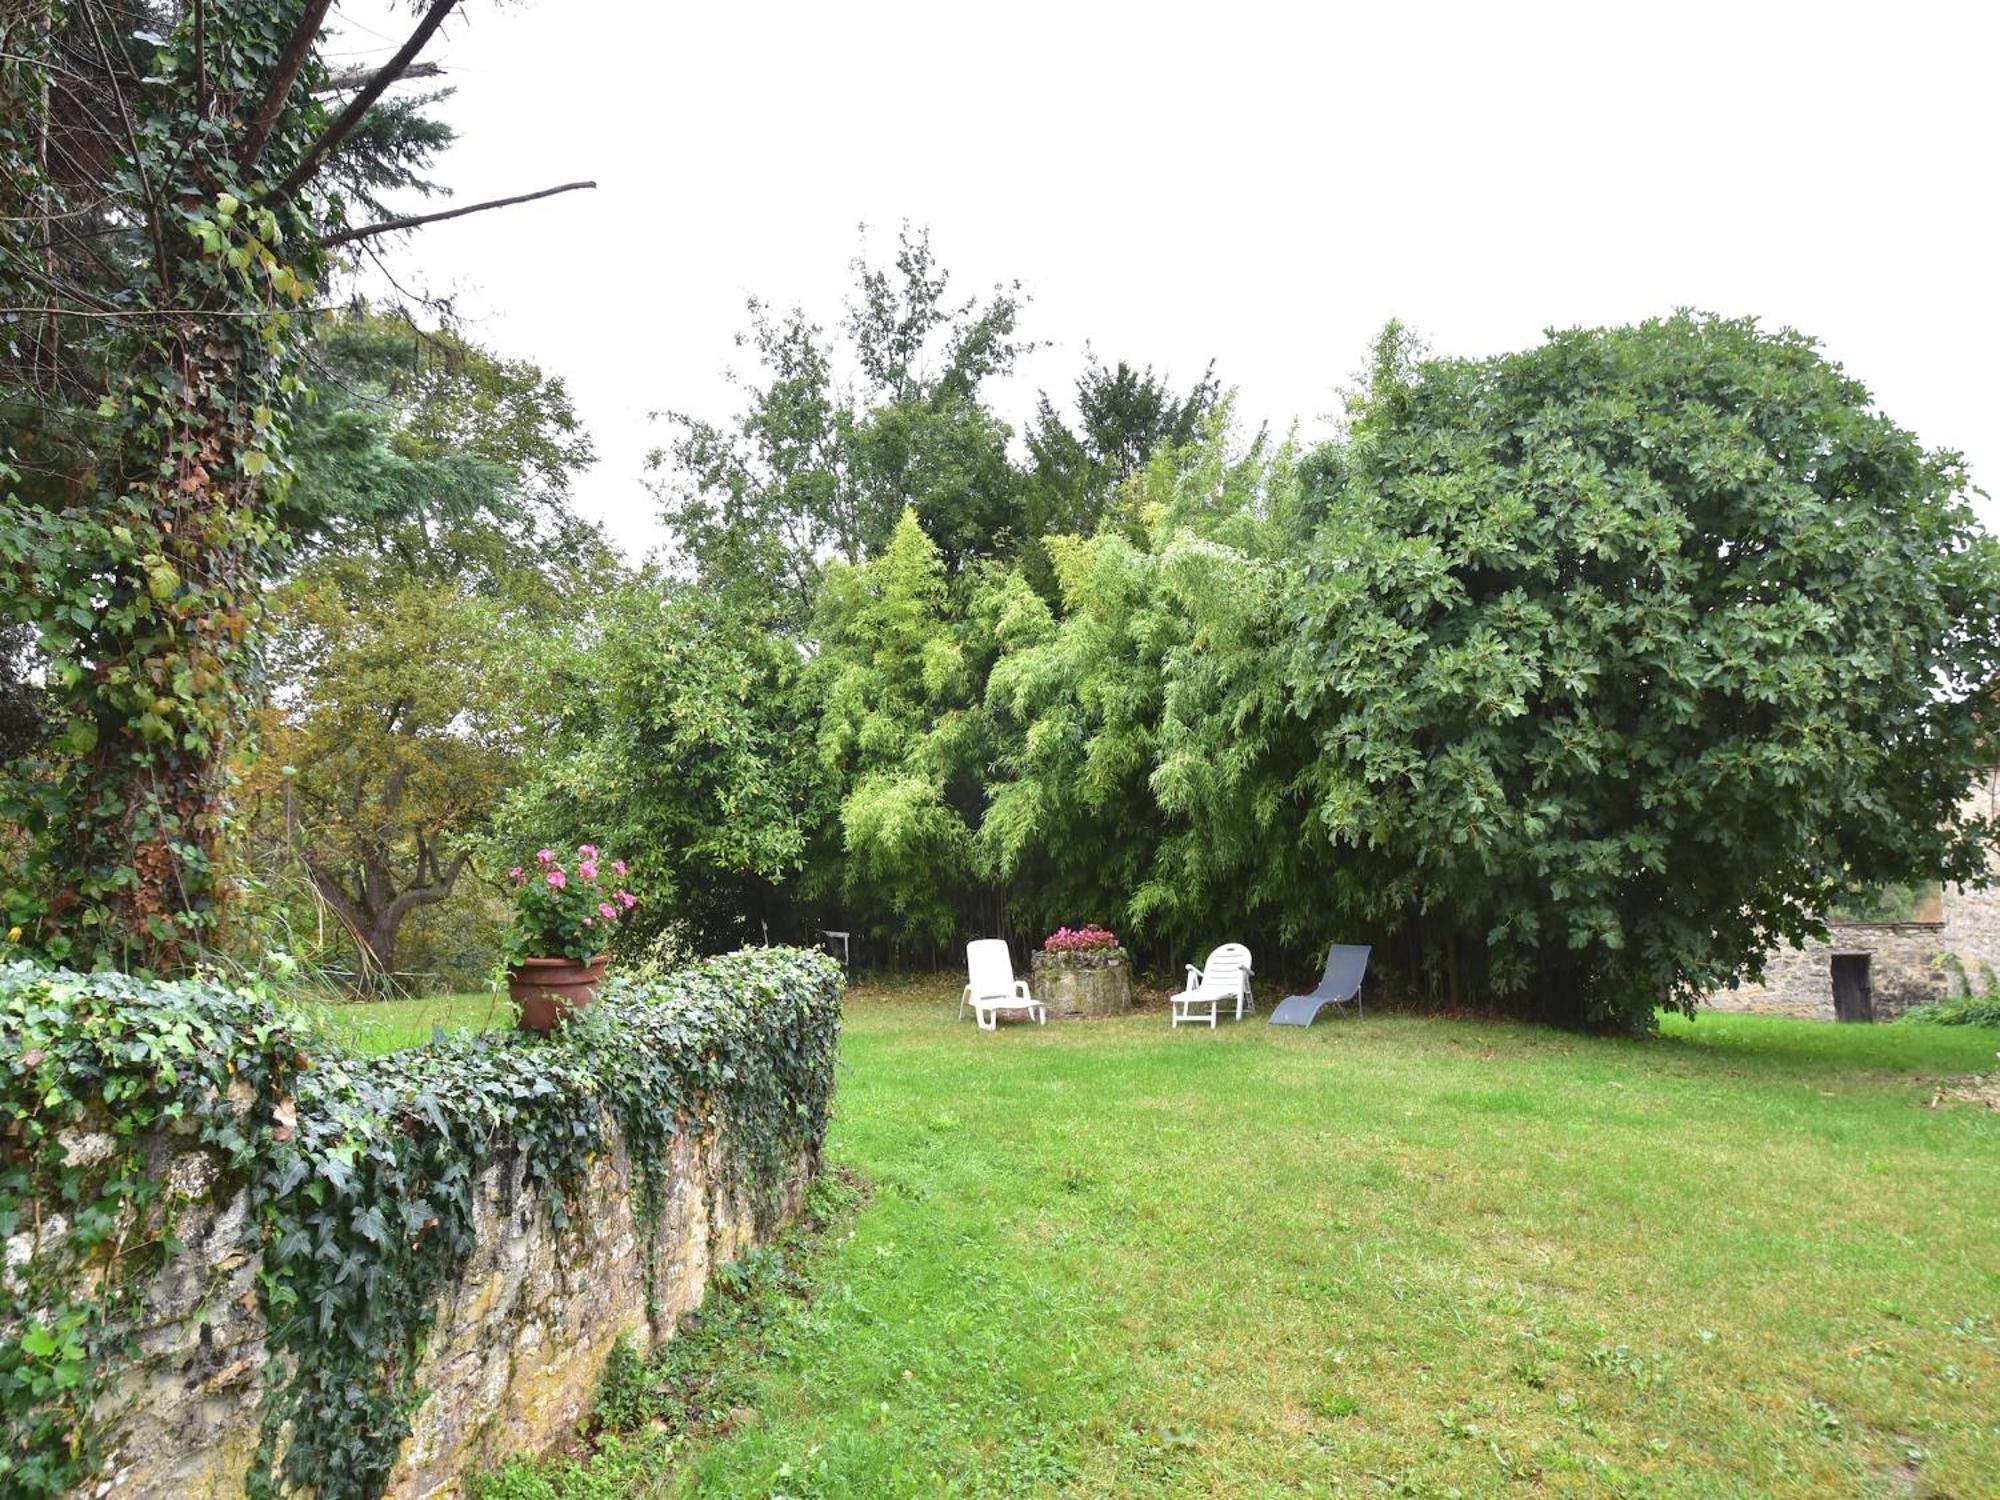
179, 179
180, 532
140, 525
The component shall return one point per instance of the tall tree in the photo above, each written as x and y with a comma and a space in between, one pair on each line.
840, 435
1123, 416
1148, 771
438, 548
1626, 655
904, 737
173, 175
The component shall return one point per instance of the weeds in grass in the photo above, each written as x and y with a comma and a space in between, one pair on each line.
1960, 1010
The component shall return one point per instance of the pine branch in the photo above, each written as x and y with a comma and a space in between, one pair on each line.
344, 123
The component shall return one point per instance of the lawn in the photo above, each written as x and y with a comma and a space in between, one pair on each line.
1392, 1256
386, 1025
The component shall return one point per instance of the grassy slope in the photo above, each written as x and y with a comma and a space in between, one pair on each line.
1394, 1256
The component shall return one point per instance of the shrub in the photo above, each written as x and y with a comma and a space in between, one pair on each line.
1621, 656
1960, 1010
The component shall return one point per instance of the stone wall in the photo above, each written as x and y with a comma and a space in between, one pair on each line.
1904, 969
1972, 917
1910, 963
514, 1359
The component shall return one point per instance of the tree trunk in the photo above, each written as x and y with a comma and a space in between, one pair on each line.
371, 908
165, 664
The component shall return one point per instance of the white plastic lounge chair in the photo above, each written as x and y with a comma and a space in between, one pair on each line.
992, 987
1346, 967
1224, 978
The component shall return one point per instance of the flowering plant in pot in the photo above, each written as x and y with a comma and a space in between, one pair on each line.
564, 916
1083, 942
1082, 971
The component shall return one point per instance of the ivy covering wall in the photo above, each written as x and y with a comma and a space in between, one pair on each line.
361, 1177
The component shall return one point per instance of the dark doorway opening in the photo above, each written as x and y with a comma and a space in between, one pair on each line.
1852, 998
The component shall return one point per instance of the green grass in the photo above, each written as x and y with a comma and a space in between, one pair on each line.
1386, 1257
386, 1025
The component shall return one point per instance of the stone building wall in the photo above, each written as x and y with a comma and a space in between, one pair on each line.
1910, 963
1904, 970
1972, 917
512, 1364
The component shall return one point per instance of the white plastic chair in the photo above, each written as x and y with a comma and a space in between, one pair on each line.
1225, 977
992, 987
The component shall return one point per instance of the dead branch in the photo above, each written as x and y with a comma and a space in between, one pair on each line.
390, 226
353, 78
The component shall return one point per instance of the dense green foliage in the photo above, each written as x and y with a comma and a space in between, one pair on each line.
1979, 1009
436, 552
1625, 656
681, 732
1572, 680
361, 1174
823, 463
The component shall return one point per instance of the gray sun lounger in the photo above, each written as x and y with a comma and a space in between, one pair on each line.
1345, 966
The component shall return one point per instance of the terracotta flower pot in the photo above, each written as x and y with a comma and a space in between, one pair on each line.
548, 989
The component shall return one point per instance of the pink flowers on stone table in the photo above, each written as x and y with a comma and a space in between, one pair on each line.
1091, 939
567, 911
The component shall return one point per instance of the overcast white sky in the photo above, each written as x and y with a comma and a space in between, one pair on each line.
1261, 184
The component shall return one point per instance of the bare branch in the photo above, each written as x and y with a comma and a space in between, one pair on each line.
390, 226
200, 59
353, 78
297, 50
156, 223
344, 123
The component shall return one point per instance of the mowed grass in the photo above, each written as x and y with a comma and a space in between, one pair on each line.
387, 1025
1392, 1256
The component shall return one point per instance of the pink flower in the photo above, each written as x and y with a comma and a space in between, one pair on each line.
1079, 940
557, 880
587, 870
625, 899
545, 855
588, 851
515, 875
607, 911
617, 867
586, 921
